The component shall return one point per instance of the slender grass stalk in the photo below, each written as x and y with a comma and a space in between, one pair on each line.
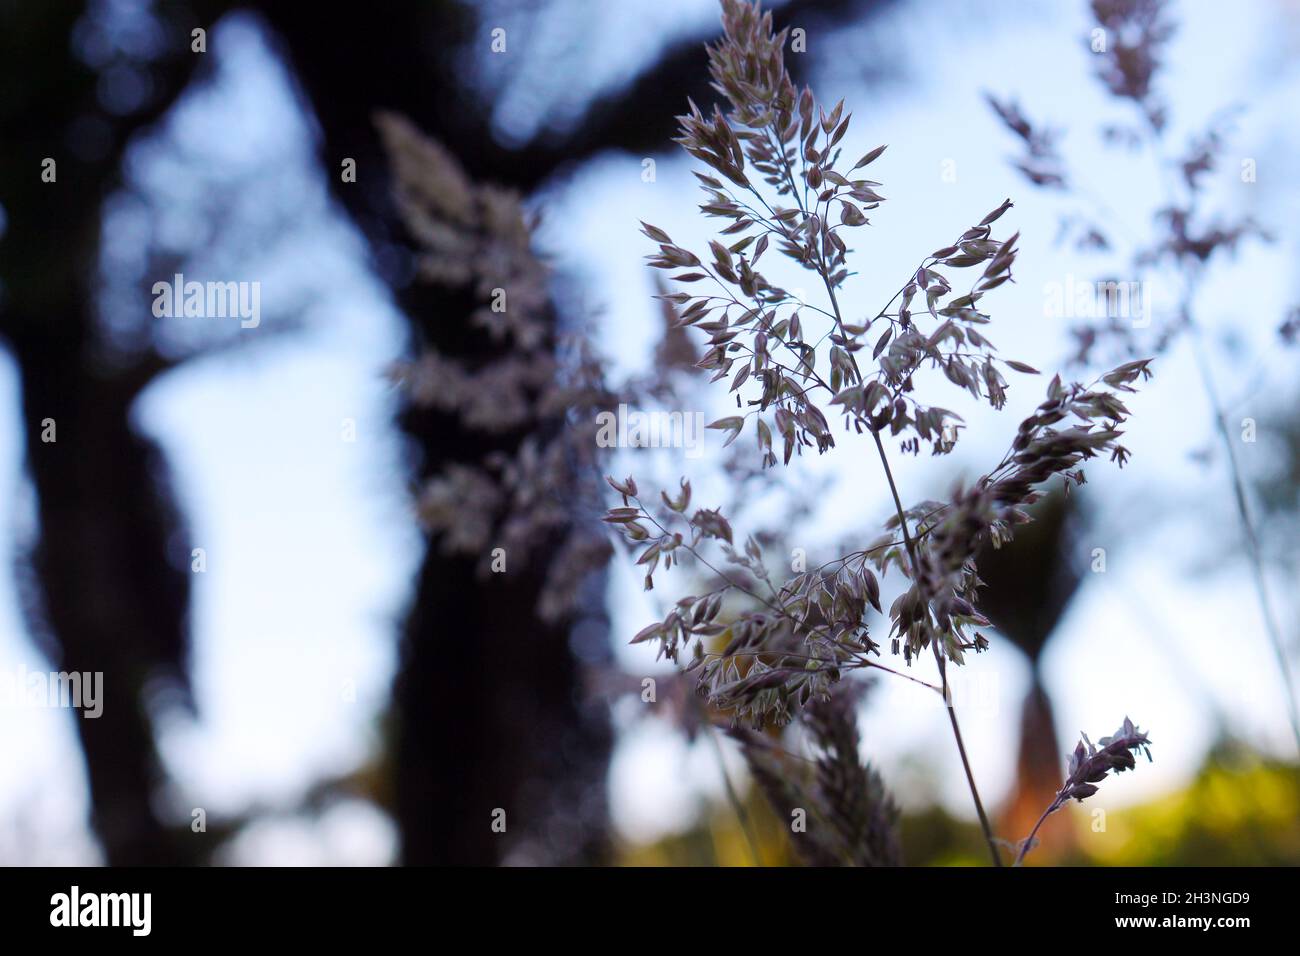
942, 665
1029, 841
1248, 531
1253, 551
1089, 765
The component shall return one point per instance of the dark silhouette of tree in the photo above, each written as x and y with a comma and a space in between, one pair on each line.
1028, 585
488, 704
106, 591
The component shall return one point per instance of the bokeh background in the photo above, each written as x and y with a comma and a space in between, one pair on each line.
332, 689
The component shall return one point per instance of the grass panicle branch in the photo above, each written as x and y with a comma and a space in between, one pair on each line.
767, 650
1182, 239
1089, 765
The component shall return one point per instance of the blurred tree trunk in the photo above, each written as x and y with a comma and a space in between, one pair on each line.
104, 594
489, 707
108, 597
1028, 584
1039, 772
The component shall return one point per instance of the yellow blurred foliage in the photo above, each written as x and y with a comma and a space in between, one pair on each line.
1240, 810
